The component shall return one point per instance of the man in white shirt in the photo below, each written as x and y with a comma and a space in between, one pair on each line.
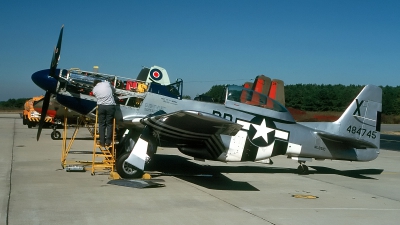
104, 91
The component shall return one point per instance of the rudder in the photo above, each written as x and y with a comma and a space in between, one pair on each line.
154, 74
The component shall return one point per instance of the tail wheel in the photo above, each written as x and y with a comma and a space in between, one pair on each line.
302, 169
126, 170
56, 135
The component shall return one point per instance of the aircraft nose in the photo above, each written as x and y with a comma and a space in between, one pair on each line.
44, 81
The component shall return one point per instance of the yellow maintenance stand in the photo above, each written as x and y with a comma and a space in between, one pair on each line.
103, 158
65, 149
107, 154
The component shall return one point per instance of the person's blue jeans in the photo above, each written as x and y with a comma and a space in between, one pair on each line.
105, 119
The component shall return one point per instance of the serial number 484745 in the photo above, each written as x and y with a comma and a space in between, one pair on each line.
361, 131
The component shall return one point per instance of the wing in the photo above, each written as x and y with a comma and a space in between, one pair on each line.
191, 125
201, 130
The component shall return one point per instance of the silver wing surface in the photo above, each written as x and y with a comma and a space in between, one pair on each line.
191, 125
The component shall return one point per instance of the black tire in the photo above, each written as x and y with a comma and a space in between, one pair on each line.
29, 124
56, 135
302, 169
24, 120
125, 170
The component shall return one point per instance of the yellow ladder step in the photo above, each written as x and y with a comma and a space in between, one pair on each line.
106, 153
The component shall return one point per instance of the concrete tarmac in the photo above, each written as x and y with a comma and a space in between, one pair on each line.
34, 189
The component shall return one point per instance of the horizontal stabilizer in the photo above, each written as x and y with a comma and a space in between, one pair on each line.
349, 141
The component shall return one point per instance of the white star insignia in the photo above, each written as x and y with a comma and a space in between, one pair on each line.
262, 131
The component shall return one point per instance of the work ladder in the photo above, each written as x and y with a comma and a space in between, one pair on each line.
106, 154
65, 148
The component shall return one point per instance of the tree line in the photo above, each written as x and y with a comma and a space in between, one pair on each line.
321, 97
13, 104
313, 97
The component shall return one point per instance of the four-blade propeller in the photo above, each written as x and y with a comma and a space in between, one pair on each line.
52, 73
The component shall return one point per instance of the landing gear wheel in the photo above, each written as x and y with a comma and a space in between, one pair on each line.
302, 169
56, 135
125, 170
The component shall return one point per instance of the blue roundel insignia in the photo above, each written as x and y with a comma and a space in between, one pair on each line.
156, 74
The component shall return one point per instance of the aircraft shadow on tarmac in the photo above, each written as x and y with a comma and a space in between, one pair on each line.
358, 174
212, 177
77, 138
81, 152
206, 176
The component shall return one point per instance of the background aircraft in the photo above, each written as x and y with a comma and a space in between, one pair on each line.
31, 116
58, 112
248, 126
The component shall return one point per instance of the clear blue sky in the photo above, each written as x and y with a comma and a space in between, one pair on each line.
204, 42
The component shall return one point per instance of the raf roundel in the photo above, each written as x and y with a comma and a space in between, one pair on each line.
156, 74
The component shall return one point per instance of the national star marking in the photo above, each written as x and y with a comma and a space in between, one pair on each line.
262, 131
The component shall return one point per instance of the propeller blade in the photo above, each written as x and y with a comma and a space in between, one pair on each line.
56, 55
46, 102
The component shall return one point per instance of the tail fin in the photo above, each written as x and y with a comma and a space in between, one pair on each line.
362, 119
248, 85
273, 89
277, 91
154, 74
262, 84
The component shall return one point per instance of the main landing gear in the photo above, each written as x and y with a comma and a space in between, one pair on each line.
55, 135
302, 169
124, 169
